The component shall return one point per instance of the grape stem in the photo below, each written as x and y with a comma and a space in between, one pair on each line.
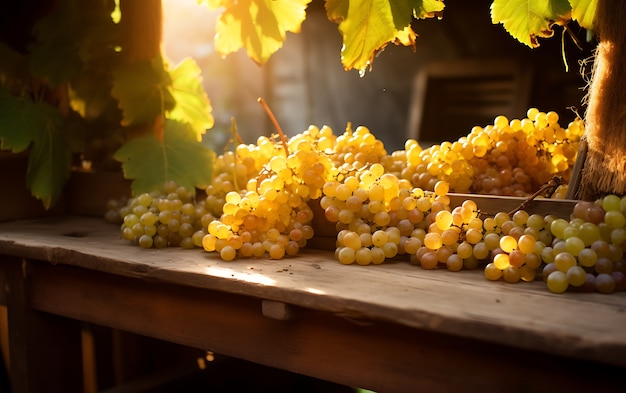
547, 189
267, 109
237, 138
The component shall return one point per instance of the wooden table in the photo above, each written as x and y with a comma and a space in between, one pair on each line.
389, 328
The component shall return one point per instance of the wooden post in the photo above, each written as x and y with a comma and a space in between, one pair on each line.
142, 36
604, 170
142, 27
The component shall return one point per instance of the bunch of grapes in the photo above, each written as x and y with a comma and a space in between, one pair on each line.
170, 217
585, 253
588, 250
265, 210
506, 158
454, 238
516, 244
377, 215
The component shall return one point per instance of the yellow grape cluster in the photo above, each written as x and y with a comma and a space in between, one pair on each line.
509, 157
264, 210
377, 215
516, 244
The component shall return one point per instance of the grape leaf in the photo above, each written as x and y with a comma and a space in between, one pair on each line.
584, 12
49, 164
259, 26
528, 20
179, 157
142, 91
192, 104
38, 126
429, 9
20, 121
367, 26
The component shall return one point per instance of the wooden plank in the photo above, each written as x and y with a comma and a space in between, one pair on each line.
523, 315
375, 355
36, 337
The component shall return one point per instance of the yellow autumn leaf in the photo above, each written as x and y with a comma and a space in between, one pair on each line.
258, 26
367, 26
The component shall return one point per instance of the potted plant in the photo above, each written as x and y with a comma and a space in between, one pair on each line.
86, 88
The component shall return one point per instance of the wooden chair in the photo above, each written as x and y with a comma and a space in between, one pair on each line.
448, 98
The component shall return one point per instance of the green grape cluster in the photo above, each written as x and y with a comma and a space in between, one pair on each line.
587, 253
170, 217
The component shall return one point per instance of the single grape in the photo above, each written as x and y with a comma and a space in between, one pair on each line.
576, 276
557, 282
492, 272
228, 253
605, 283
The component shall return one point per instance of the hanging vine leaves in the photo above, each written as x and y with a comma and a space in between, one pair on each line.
259, 26
152, 161
192, 103
584, 12
49, 163
142, 90
529, 20
367, 26
38, 127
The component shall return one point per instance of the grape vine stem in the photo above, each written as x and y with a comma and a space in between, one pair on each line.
547, 189
267, 109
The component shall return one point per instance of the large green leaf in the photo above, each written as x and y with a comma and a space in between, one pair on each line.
142, 89
38, 126
584, 12
529, 20
49, 163
192, 104
179, 157
367, 26
20, 122
259, 26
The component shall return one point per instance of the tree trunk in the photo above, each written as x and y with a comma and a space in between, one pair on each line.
604, 170
142, 37
142, 25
